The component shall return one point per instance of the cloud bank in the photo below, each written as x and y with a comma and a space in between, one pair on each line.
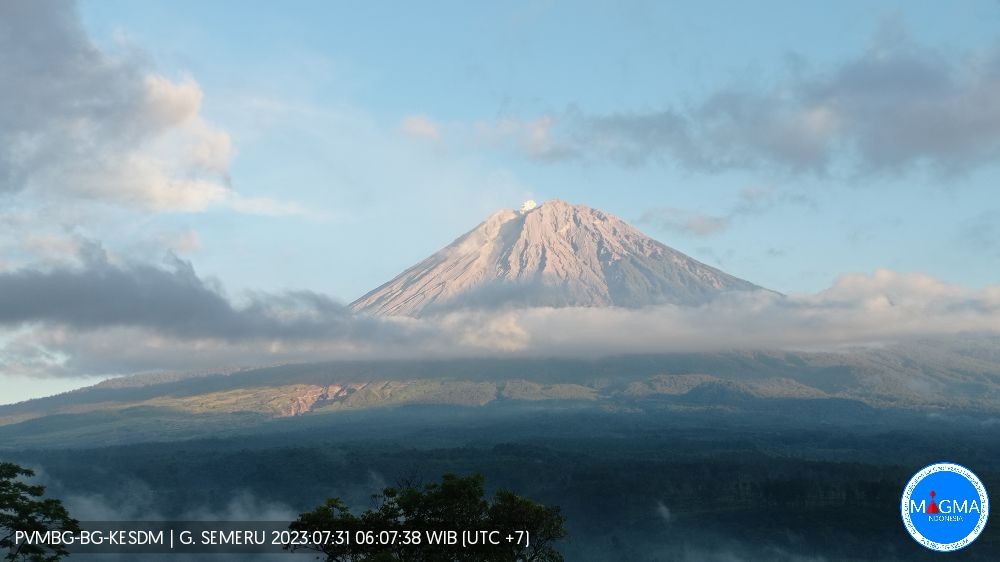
859, 309
102, 317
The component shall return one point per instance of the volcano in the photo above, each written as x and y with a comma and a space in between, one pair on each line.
556, 254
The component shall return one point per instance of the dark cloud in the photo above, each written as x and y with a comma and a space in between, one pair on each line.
171, 301
894, 107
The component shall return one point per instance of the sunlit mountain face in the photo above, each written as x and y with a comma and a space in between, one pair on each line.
556, 254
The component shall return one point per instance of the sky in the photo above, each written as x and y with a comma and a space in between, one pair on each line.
263, 163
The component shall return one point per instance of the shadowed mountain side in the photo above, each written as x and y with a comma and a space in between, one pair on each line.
931, 376
894, 371
142, 424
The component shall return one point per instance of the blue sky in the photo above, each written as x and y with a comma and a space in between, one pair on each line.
254, 149
369, 66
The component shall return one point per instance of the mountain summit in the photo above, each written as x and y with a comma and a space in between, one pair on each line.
552, 254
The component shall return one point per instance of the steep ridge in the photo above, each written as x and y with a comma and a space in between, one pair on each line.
556, 254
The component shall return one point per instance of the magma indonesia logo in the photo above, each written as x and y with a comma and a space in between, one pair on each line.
945, 507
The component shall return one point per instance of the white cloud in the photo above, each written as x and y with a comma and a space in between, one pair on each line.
71, 322
81, 124
182, 242
52, 247
858, 309
169, 103
165, 158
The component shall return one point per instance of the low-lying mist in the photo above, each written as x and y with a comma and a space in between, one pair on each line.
71, 320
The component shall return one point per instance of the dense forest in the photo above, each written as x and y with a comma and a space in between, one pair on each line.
695, 486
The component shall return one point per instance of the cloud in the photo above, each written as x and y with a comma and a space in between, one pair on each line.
421, 126
673, 219
171, 300
859, 309
104, 317
60, 319
79, 123
182, 242
894, 107
751, 201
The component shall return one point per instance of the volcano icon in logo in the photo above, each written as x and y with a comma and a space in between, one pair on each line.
945, 507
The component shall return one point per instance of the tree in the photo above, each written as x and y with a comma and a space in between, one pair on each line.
22, 508
406, 518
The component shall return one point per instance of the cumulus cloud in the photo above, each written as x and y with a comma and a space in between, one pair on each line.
895, 106
80, 123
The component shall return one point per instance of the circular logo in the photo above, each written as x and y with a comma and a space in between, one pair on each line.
945, 507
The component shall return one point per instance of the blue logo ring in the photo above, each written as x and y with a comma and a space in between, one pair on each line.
958, 508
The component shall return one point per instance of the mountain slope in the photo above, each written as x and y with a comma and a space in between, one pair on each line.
556, 254
949, 378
